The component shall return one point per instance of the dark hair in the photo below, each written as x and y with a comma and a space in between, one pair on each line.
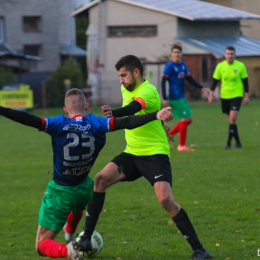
177, 46
130, 62
231, 48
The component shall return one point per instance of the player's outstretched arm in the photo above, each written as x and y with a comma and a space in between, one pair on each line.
193, 82
128, 110
132, 122
21, 117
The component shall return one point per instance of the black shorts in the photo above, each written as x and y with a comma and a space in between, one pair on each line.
230, 104
154, 167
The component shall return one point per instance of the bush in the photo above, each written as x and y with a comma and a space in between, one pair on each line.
55, 84
6, 77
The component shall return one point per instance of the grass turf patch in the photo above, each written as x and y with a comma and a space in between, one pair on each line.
218, 188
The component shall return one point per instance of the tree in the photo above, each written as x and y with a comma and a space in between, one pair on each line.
56, 86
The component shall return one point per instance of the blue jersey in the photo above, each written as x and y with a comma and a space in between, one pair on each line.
175, 73
76, 143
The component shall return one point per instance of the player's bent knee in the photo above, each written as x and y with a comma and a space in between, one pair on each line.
101, 180
165, 200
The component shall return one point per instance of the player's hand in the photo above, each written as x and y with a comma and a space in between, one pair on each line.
106, 111
165, 114
205, 91
165, 103
210, 99
246, 99
167, 131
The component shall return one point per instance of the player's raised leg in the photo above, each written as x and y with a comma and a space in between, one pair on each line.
181, 219
47, 246
104, 179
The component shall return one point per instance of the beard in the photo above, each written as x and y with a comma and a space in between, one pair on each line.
130, 87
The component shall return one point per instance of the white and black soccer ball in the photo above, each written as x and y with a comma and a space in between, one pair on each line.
97, 244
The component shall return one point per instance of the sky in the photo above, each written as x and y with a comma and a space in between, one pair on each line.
79, 3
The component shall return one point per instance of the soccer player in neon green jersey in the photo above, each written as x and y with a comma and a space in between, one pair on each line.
146, 155
233, 76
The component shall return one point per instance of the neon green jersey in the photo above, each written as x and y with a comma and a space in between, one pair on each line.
231, 76
150, 138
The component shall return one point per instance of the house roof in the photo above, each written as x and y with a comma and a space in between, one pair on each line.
244, 46
72, 50
8, 51
192, 10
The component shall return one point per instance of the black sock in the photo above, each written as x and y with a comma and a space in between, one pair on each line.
230, 133
183, 223
236, 136
95, 206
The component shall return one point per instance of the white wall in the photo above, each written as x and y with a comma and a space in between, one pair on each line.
113, 48
56, 28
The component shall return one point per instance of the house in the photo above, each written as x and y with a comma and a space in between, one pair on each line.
40, 28
148, 29
36, 37
250, 28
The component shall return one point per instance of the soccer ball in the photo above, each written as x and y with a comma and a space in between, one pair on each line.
97, 244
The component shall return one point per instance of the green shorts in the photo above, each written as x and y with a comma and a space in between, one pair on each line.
60, 200
180, 108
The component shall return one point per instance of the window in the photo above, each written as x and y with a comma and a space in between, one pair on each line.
1, 29
208, 64
32, 49
204, 66
31, 23
135, 30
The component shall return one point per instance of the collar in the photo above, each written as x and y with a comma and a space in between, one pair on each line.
76, 116
176, 62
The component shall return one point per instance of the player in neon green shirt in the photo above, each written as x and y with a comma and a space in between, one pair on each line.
150, 138
146, 155
234, 82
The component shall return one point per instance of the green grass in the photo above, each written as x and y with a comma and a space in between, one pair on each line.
219, 189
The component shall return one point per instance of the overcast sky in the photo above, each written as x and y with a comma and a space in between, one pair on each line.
79, 3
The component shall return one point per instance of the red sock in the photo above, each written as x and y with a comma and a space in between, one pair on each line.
51, 248
175, 129
183, 132
73, 221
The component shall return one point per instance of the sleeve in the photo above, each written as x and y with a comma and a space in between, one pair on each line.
131, 122
167, 70
129, 110
163, 86
217, 74
244, 72
214, 84
192, 81
246, 85
101, 124
22, 117
53, 125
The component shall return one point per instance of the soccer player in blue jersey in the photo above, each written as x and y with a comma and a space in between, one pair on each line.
76, 141
175, 72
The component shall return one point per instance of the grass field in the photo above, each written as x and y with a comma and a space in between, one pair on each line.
219, 189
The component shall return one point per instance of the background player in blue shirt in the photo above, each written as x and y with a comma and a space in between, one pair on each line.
175, 72
76, 143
